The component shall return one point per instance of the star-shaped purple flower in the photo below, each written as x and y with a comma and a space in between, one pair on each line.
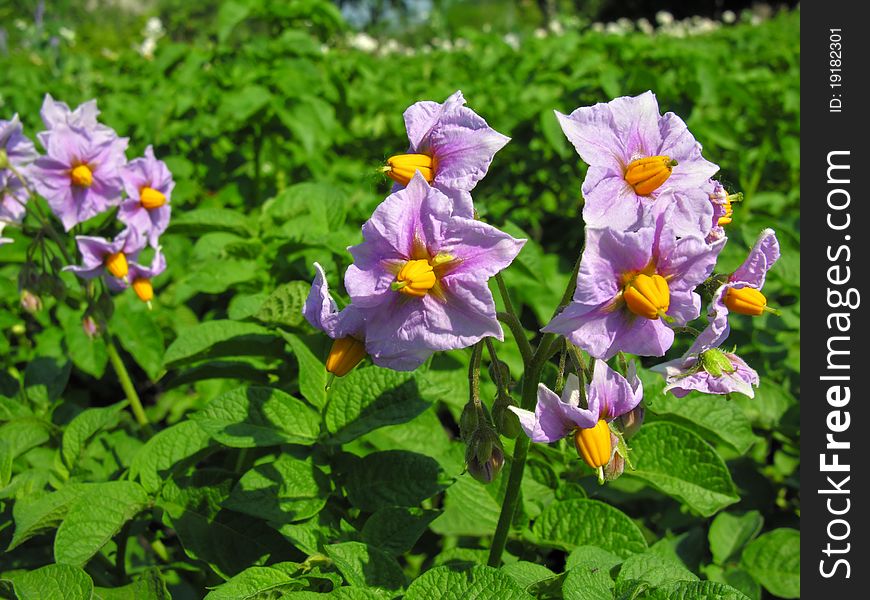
629, 284
101, 256
453, 147
322, 312
20, 152
609, 395
56, 115
419, 278
634, 154
149, 185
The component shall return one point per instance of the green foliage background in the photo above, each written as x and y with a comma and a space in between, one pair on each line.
274, 126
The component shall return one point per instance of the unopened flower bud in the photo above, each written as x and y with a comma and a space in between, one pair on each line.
485, 461
506, 421
468, 421
402, 167
30, 302
646, 175
500, 371
90, 327
631, 421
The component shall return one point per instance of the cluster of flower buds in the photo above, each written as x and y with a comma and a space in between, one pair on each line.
418, 283
84, 173
484, 454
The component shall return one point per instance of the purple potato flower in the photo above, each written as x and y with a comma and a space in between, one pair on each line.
420, 277
101, 256
149, 185
634, 154
56, 115
629, 284
20, 152
13, 198
456, 147
322, 312
745, 282
139, 277
609, 395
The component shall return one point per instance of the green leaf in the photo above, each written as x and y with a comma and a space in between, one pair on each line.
469, 509
692, 590
773, 560
362, 565
393, 478
282, 491
240, 105
396, 529
729, 533
446, 583
527, 573
44, 513
166, 452
369, 398
23, 434
229, 15
45, 379
592, 556
6, 459
573, 523
679, 463
134, 326
203, 220
256, 583
221, 338
88, 355
653, 569
57, 582
585, 582
312, 372
95, 518
80, 430
284, 306
148, 586
324, 206
258, 416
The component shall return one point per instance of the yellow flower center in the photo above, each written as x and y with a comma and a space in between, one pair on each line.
593, 444
647, 296
117, 264
345, 354
151, 198
401, 167
415, 278
143, 288
745, 301
82, 176
646, 175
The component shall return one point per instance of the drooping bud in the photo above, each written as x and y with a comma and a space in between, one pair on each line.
631, 421
648, 296
499, 371
30, 302
90, 327
143, 288
151, 198
506, 421
345, 354
745, 301
594, 444
486, 470
401, 167
117, 265
646, 175
82, 176
415, 278
715, 362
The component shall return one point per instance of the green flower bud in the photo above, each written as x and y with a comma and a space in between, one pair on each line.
506, 421
30, 302
500, 371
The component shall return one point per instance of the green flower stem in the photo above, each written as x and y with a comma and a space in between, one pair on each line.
126, 382
516, 328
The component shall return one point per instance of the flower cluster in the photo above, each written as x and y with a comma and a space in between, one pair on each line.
84, 173
418, 283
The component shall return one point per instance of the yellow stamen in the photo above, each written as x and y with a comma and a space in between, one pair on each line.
143, 288
345, 354
401, 167
82, 176
646, 175
415, 278
117, 265
745, 301
594, 444
648, 296
151, 198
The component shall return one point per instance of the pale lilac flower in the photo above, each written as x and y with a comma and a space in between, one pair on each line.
322, 312
629, 284
13, 198
609, 395
742, 291
80, 175
456, 144
56, 115
101, 256
149, 185
139, 277
705, 368
20, 151
614, 139
420, 276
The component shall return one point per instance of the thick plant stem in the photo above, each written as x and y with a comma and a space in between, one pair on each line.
126, 382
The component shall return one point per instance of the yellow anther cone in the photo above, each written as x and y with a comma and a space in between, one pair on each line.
646, 175
745, 301
415, 278
648, 296
117, 265
594, 444
401, 167
151, 198
82, 176
345, 354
